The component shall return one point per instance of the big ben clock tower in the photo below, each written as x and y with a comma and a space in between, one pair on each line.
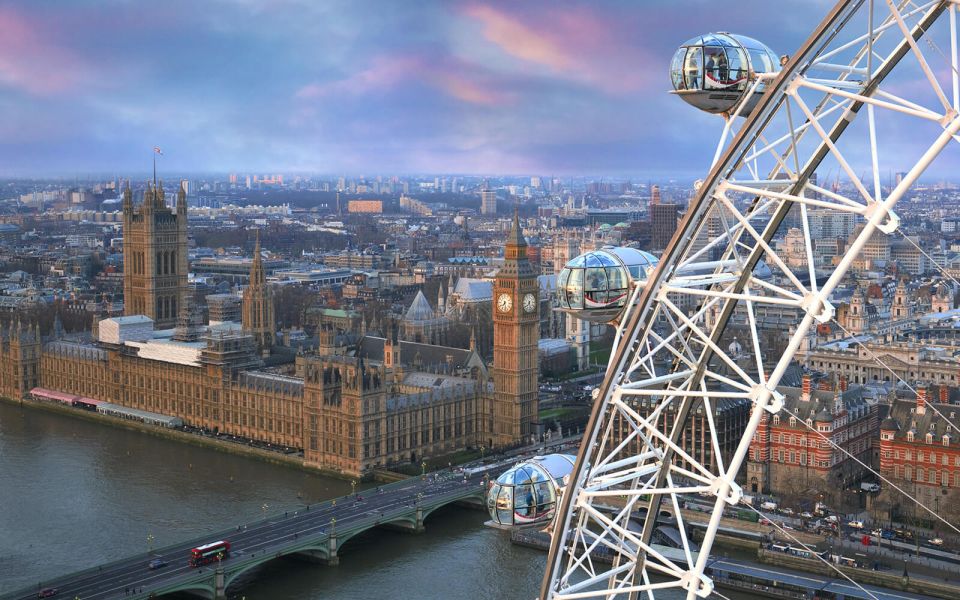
516, 332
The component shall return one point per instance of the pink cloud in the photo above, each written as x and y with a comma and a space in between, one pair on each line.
384, 72
461, 88
31, 60
574, 44
448, 76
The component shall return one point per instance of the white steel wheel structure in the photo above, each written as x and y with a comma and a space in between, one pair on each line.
874, 89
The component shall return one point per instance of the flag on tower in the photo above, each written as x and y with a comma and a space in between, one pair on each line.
158, 150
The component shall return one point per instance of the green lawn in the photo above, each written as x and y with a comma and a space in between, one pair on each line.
564, 412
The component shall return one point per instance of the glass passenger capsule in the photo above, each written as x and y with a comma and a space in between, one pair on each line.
527, 493
595, 286
713, 72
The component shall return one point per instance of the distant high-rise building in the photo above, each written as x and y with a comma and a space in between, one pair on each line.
663, 223
154, 256
488, 201
654, 195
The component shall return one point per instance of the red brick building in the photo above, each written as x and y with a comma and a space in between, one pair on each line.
791, 461
920, 454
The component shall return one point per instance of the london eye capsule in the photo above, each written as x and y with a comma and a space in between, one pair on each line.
596, 286
714, 72
527, 493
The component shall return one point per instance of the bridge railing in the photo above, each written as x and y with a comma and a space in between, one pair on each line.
366, 522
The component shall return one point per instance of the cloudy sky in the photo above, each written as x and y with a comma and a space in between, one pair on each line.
391, 86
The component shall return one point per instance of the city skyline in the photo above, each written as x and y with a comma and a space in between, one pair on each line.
456, 88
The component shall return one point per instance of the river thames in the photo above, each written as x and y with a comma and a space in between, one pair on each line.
77, 493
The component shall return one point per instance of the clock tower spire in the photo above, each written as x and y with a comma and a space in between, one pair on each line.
516, 328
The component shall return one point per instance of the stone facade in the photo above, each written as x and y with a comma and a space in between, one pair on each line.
259, 316
516, 333
154, 256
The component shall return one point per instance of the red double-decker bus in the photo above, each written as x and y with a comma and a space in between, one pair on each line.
208, 553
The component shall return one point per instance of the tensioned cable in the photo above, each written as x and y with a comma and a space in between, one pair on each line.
864, 465
930, 258
812, 551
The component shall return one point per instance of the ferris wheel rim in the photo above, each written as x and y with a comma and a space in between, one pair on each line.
637, 325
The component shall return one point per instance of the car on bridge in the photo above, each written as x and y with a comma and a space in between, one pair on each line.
47, 592
157, 563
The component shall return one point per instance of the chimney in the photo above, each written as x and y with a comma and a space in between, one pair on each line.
944, 395
843, 383
921, 400
806, 388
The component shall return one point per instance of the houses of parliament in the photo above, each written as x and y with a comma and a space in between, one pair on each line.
351, 403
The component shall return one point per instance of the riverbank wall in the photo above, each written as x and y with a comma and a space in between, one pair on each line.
863, 576
220, 445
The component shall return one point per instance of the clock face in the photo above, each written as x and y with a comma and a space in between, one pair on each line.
504, 302
529, 303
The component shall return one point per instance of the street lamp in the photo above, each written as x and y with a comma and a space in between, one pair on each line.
423, 470
149, 543
264, 509
353, 487
482, 450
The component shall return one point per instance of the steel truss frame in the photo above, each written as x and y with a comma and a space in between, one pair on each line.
668, 351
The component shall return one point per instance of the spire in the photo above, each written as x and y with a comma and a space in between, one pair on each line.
127, 199
148, 202
256, 268
182, 200
516, 233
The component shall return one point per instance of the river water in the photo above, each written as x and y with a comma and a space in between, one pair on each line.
75, 493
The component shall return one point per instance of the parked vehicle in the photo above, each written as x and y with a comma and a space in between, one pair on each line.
768, 505
806, 515
748, 515
855, 524
831, 519
936, 541
787, 511
870, 487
